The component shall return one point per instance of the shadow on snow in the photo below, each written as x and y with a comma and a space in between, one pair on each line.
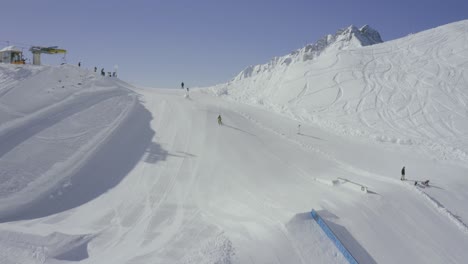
304, 135
103, 171
304, 227
353, 246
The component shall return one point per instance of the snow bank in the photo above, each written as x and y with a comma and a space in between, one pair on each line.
52, 120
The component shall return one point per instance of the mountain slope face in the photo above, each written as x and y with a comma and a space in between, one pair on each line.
346, 38
410, 91
52, 120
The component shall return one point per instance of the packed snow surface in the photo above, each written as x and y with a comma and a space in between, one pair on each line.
93, 170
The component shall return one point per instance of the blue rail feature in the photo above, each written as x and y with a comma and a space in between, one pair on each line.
333, 237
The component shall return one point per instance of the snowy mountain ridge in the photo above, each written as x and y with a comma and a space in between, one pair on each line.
409, 91
350, 37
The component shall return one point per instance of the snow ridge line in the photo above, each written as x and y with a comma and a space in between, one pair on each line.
323, 225
443, 210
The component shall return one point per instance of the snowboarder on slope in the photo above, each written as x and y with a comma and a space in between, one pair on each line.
220, 122
403, 174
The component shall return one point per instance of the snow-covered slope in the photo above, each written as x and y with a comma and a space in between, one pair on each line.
52, 121
410, 91
93, 170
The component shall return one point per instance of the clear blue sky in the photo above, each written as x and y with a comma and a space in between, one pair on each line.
160, 43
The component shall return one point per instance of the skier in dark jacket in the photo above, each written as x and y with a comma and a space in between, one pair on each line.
403, 174
220, 122
182, 85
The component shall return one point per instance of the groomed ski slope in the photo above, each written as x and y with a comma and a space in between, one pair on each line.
101, 172
239, 193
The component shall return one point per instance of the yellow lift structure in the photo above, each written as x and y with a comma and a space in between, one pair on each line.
37, 51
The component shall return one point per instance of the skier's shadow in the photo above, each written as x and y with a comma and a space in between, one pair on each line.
301, 134
238, 129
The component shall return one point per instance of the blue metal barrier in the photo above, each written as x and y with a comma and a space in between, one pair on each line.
333, 237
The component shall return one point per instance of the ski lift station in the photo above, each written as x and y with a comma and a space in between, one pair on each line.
37, 51
11, 54
14, 55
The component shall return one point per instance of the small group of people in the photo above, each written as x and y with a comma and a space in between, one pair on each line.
182, 86
403, 178
103, 73
425, 183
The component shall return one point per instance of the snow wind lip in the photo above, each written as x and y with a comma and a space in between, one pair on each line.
102, 170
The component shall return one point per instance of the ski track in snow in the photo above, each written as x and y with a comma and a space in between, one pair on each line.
432, 201
443, 210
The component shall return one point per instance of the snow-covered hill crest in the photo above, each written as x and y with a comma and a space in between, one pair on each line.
350, 37
52, 121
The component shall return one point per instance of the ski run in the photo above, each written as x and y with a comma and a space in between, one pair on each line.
95, 170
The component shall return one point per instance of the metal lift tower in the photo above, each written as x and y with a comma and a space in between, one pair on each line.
36, 51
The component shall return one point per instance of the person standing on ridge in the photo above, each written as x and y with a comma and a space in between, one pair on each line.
182, 85
95, 69
403, 174
79, 64
220, 122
